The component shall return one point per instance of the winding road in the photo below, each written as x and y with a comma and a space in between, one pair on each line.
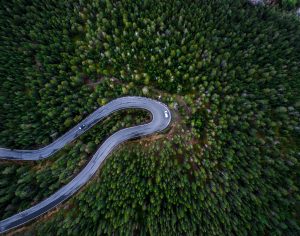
161, 118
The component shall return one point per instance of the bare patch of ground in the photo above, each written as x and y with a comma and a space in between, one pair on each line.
100, 79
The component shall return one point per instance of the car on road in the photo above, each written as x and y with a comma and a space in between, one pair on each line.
82, 126
156, 125
166, 114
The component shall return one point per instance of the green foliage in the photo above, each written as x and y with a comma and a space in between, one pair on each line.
289, 4
230, 165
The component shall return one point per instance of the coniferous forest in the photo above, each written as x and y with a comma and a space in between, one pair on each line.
229, 164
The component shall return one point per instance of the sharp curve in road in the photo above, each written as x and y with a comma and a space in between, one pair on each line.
161, 118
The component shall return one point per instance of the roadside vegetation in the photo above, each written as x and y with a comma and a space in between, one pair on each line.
230, 72
288, 4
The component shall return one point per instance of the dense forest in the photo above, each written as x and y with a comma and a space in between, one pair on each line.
285, 4
230, 71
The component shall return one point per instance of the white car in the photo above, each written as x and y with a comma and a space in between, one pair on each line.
166, 114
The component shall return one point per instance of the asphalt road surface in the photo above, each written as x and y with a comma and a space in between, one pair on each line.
161, 117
